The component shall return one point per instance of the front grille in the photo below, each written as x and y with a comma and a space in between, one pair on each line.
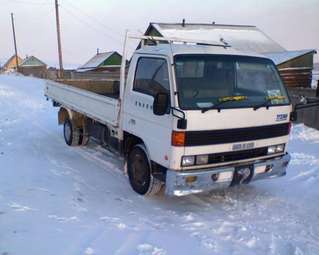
237, 155
211, 137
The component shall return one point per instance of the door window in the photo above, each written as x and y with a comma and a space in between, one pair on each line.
151, 76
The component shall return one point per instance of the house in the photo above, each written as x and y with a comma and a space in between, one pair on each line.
101, 62
32, 66
295, 67
11, 64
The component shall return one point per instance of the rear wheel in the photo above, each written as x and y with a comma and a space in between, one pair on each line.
84, 138
139, 172
71, 134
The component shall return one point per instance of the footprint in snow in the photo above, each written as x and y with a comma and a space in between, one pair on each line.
89, 251
20, 208
64, 219
116, 222
148, 249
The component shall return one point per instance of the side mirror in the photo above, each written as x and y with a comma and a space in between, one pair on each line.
160, 105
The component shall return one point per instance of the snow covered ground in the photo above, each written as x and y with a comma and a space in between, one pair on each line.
60, 200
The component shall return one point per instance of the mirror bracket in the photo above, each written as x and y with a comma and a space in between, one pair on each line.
182, 121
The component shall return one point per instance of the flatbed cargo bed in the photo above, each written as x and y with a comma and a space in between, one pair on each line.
101, 105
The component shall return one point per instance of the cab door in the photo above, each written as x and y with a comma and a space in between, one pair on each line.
151, 76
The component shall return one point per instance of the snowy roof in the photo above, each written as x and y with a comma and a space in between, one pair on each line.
282, 57
32, 61
242, 38
97, 60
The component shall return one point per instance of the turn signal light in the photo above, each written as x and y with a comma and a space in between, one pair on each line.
178, 138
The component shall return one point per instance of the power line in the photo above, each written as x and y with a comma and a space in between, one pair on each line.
93, 18
100, 31
29, 2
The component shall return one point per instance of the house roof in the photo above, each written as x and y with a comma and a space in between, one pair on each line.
96, 61
282, 57
32, 61
241, 37
12, 60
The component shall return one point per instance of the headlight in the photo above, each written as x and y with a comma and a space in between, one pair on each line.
276, 149
202, 160
188, 160
280, 148
271, 149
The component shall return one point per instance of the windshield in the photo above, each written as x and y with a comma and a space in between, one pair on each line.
205, 81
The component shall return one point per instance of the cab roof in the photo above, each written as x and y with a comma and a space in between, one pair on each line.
177, 49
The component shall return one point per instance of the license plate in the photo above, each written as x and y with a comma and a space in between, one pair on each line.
243, 174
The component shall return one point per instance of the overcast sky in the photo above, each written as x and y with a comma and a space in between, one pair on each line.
90, 24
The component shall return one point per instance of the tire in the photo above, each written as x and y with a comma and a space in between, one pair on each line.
71, 134
139, 173
84, 138
105, 137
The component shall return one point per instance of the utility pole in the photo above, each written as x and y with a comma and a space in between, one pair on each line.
59, 38
15, 42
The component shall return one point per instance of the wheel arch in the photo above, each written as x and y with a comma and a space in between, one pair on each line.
78, 119
131, 140
63, 115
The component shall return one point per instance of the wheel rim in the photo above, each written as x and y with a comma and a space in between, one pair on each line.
67, 131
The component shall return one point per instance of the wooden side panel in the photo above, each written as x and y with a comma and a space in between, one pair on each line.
101, 87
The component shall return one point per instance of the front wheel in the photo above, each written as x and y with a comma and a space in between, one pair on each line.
139, 172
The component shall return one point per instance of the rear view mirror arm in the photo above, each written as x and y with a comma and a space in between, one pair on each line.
182, 122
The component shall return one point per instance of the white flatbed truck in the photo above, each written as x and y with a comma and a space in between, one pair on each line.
189, 116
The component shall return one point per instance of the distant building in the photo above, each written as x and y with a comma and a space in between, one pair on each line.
11, 64
101, 62
32, 66
295, 66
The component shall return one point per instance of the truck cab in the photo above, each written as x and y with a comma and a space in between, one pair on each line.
204, 117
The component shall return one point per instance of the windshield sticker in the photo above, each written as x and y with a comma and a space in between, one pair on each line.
275, 96
205, 105
274, 92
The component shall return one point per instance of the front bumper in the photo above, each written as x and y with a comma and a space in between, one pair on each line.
180, 183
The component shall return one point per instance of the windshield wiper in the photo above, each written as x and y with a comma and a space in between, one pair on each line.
223, 100
267, 102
